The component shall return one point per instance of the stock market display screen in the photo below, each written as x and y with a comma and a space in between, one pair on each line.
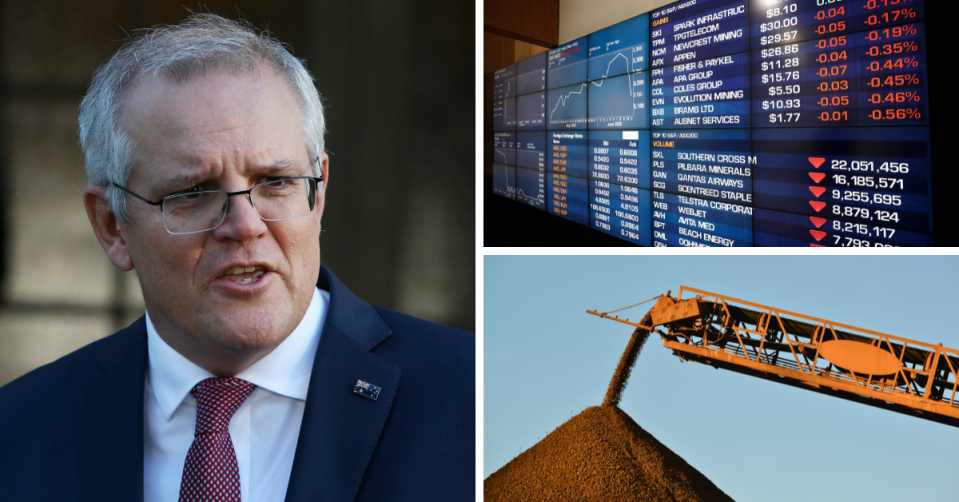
729, 123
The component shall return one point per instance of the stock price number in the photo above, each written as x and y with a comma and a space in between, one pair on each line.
833, 116
784, 90
894, 81
891, 16
865, 198
824, 29
863, 229
832, 71
868, 182
864, 213
826, 43
894, 32
783, 118
780, 63
893, 48
830, 13
781, 104
778, 24
781, 11
870, 166
775, 78
849, 242
834, 85
831, 57
784, 50
833, 101
786, 36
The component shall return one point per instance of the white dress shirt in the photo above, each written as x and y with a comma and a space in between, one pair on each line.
264, 429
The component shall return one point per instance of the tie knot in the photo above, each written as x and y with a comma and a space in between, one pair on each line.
217, 399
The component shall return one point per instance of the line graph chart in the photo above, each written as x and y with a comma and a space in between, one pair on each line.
504, 82
504, 148
531, 187
628, 40
504, 183
612, 102
618, 102
504, 115
569, 107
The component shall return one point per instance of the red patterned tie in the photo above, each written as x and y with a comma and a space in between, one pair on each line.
211, 473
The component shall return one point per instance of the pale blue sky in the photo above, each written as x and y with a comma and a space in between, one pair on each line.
546, 360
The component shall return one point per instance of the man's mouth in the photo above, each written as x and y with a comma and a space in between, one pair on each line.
243, 275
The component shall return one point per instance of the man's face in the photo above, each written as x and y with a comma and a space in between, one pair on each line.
221, 131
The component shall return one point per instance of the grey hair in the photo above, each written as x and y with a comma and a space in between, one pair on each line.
201, 43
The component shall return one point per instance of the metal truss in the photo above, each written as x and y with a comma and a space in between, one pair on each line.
919, 379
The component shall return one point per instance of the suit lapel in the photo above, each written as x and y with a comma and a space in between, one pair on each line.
341, 429
110, 421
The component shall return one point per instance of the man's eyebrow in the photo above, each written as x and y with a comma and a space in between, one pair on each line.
285, 167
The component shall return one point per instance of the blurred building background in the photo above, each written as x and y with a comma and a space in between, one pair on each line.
398, 81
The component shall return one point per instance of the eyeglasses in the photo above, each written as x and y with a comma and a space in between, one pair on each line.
195, 212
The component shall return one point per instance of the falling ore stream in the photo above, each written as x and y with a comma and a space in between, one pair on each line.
625, 367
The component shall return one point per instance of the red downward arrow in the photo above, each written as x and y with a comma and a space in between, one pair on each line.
817, 234
817, 205
816, 161
817, 191
819, 222
817, 177
816, 246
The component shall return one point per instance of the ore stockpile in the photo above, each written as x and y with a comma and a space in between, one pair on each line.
601, 454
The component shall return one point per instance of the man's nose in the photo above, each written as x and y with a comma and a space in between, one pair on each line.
242, 221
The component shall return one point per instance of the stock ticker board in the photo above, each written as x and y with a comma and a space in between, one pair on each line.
729, 123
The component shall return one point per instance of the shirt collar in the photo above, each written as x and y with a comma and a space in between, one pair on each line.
285, 371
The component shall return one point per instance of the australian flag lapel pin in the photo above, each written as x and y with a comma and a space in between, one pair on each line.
366, 390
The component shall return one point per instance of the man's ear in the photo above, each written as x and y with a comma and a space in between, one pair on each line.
321, 196
106, 227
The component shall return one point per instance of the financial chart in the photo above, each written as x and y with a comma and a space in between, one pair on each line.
531, 74
721, 123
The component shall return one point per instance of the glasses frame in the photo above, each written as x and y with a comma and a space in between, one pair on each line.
318, 180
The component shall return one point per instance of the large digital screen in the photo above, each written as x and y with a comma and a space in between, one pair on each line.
730, 123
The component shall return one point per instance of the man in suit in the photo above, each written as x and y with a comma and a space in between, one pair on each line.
255, 375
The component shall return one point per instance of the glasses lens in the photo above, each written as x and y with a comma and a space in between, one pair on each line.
283, 199
193, 212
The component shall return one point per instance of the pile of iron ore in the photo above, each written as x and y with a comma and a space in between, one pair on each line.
601, 454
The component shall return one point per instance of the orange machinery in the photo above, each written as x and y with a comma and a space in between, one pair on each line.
869, 367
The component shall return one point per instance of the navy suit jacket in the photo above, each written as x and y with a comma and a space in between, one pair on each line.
73, 430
